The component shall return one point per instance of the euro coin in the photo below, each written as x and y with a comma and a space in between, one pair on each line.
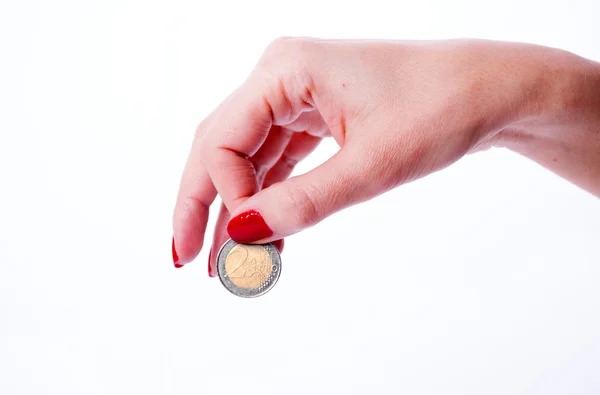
248, 270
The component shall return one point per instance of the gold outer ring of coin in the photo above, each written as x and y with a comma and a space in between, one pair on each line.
248, 270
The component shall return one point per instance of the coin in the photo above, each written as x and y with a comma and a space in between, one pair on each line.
248, 270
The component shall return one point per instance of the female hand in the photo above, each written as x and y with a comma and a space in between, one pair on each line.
398, 110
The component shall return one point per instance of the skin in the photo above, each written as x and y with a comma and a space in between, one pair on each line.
398, 110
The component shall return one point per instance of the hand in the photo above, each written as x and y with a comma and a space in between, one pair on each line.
398, 110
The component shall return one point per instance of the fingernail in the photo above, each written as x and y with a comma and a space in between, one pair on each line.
279, 245
175, 257
210, 271
248, 227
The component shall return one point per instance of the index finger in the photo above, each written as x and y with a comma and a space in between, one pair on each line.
240, 127
218, 160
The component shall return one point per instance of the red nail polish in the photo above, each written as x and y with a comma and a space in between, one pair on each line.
279, 245
175, 257
248, 227
210, 272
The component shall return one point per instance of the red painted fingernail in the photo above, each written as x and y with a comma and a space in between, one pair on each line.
175, 257
248, 227
279, 245
210, 271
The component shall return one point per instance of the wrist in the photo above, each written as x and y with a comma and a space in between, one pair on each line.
574, 91
562, 96
560, 130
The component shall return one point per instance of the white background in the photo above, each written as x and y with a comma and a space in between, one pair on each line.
481, 279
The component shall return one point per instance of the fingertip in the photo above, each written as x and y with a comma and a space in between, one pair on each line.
185, 249
248, 227
178, 261
174, 254
189, 227
212, 270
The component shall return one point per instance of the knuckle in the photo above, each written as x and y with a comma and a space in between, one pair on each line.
235, 170
200, 131
194, 205
284, 77
279, 44
291, 51
289, 161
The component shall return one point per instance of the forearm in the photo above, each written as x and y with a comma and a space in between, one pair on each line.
563, 132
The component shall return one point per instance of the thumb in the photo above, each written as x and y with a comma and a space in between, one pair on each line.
300, 202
